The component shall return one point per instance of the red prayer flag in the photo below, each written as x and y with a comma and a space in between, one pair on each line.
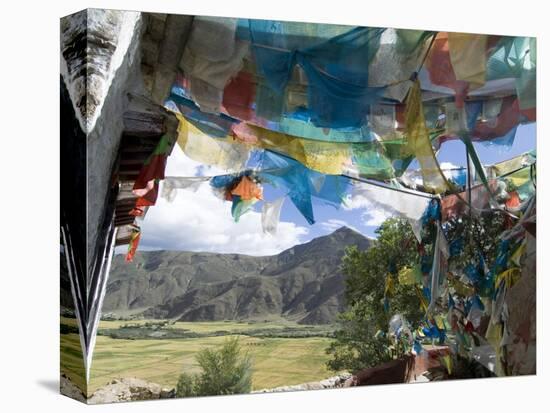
441, 70
150, 197
238, 96
155, 165
132, 248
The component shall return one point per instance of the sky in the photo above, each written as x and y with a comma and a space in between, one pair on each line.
200, 221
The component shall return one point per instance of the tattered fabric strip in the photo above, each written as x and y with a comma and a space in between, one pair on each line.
211, 58
459, 204
337, 68
154, 166
211, 151
271, 212
439, 266
395, 202
398, 57
515, 57
133, 245
171, 183
468, 55
511, 165
419, 144
441, 71
238, 103
302, 183
324, 157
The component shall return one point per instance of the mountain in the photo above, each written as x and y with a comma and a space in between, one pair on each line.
303, 283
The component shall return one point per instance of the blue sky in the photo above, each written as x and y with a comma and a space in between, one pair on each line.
199, 221
525, 141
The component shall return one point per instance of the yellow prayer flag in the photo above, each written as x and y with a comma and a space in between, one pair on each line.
440, 322
520, 177
423, 300
390, 285
447, 362
219, 152
510, 277
516, 256
461, 288
325, 157
407, 276
468, 53
419, 144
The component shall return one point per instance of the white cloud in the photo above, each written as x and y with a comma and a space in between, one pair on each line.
333, 224
446, 168
448, 165
414, 176
200, 221
372, 215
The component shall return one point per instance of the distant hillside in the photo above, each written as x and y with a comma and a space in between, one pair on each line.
303, 283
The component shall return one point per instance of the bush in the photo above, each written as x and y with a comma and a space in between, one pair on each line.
186, 386
224, 371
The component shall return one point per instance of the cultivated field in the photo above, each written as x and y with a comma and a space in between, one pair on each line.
277, 361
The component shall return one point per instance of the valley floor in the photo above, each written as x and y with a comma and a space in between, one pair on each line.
277, 361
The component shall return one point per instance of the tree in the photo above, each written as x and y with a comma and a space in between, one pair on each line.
224, 371
366, 273
474, 237
356, 345
361, 340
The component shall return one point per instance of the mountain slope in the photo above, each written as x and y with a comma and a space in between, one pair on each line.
303, 283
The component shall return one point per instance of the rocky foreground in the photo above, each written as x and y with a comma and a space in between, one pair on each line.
133, 389
330, 383
404, 370
130, 389
67, 388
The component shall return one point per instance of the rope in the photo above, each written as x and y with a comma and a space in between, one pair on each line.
469, 180
532, 174
432, 41
380, 185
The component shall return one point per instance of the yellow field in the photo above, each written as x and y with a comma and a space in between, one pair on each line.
276, 361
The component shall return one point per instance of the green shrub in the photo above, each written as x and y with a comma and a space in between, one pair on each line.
186, 386
227, 370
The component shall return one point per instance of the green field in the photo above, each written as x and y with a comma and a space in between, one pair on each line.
276, 361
